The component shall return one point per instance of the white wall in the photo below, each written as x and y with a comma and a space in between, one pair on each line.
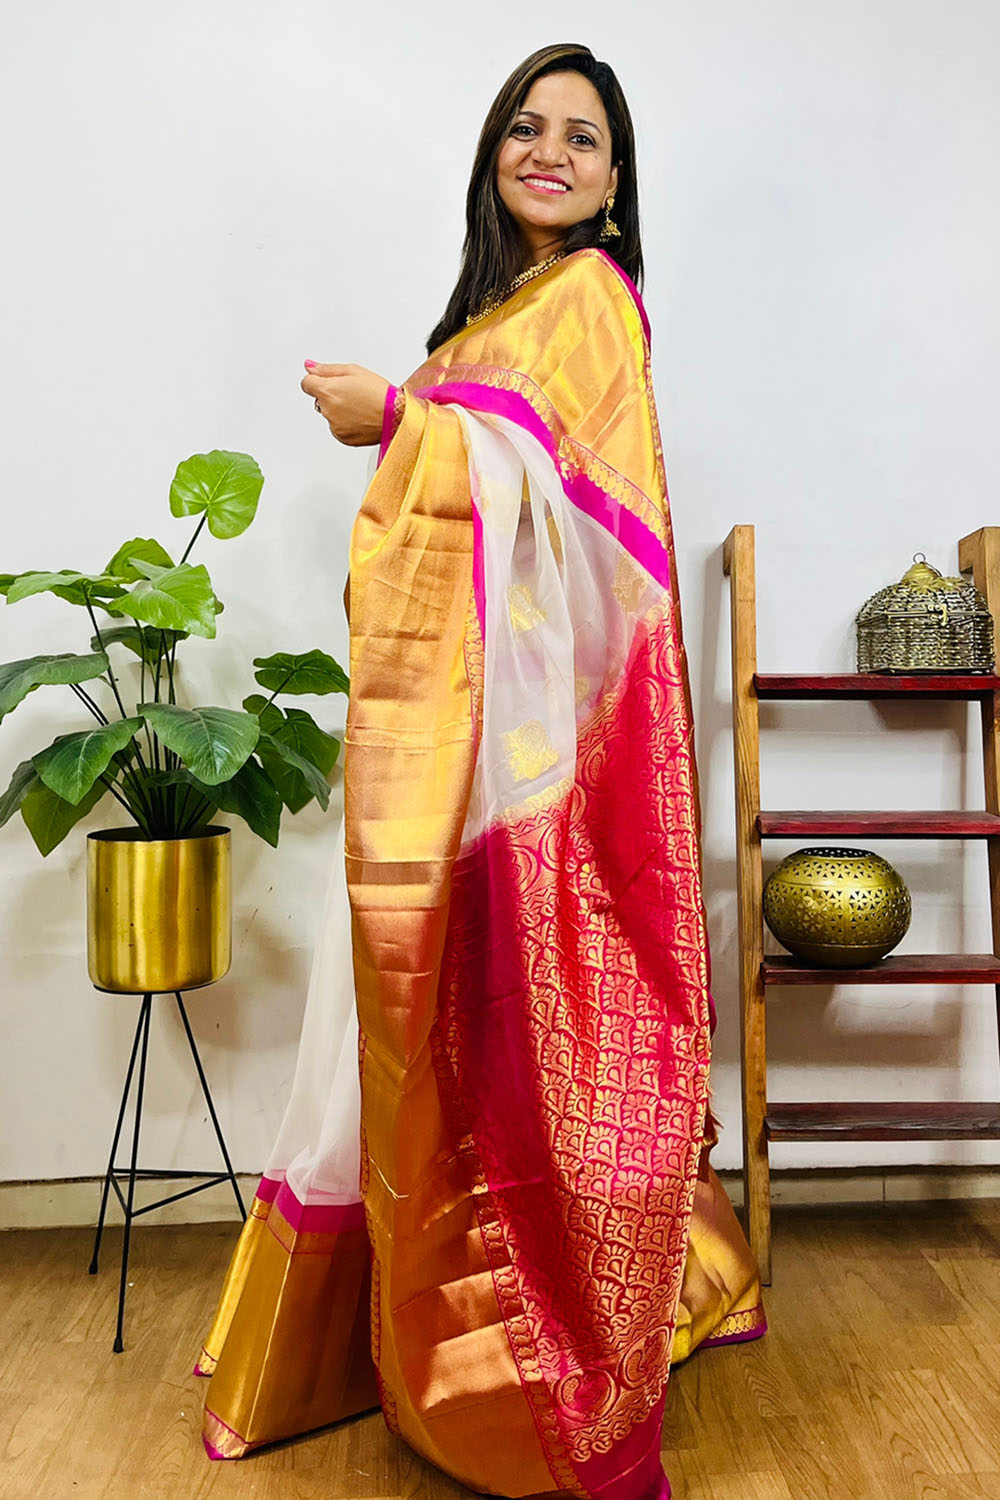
199, 196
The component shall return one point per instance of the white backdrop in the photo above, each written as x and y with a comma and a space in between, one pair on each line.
199, 196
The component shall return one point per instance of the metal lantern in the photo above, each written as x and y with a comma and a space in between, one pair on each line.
841, 907
925, 623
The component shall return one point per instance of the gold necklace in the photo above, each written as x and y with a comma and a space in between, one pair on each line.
497, 299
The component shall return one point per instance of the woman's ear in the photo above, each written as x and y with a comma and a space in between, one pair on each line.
613, 183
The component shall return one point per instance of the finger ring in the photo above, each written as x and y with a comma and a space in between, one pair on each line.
317, 405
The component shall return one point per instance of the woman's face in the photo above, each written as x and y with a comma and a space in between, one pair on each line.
555, 168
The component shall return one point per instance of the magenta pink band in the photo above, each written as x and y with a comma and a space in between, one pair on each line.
210, 1448
478, 560
736, 1338
318, 1218
636, 538
632, 1469
632, 290
388, 422
267, 1189
310, 1218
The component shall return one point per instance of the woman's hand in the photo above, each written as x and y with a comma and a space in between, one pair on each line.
351, 399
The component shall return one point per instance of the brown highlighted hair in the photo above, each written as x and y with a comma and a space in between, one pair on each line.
493, 252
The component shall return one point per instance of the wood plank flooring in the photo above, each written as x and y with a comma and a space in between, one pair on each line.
879, 1380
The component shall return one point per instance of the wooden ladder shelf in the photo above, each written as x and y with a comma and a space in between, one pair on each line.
763, 1120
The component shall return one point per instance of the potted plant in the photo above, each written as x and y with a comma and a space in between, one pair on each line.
159, 891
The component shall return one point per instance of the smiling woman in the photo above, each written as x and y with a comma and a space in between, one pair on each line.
524, 1172
555, 167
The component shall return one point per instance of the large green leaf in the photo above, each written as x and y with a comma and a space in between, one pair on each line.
268, 713
311, 775
226, 485
19, 678
75, 588
146, 549
310, 672
301, 731
24, 778
250, 794
291, 785
144, 642
178, 598
49, 818
212, 742
73, 762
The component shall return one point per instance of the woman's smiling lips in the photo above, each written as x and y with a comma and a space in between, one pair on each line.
541, 184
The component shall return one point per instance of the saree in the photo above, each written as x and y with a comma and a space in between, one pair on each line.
531, 1232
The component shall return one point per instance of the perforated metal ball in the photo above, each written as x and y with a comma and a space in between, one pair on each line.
841, 907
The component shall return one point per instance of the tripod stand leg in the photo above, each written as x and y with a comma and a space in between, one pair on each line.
114, 1143
211, 1107
147, 1009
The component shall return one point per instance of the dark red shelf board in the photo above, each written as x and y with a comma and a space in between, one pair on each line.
883, 1122
870, 685
898, 968
866, 824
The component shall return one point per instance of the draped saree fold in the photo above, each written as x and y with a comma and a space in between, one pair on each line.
530, 963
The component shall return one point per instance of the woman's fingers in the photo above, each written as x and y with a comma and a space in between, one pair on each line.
329, 370
350, 398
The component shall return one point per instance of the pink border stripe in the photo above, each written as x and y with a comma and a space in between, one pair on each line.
734, 1338
636, 538
632, 290
318, 1218
387, 428
267, 1189
210, 1448
478, 563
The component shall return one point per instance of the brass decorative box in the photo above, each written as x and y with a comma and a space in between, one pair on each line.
841, 907
925, 623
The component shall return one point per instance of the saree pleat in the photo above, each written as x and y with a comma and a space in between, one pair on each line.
529, 947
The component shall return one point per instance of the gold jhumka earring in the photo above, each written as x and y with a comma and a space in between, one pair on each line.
609, 229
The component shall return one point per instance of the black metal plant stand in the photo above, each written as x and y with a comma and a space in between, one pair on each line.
202, 1180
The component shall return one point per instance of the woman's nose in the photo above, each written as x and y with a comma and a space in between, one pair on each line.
548, 150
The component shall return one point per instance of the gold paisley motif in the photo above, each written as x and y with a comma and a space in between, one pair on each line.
629, 585
529, 750
524, 611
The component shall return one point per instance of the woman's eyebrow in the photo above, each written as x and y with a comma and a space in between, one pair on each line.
571, 120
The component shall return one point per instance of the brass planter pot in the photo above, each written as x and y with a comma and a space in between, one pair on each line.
159, 913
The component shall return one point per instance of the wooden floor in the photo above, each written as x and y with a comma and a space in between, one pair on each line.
879, 1380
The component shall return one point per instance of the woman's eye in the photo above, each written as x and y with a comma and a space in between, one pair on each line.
582, 139
523, 130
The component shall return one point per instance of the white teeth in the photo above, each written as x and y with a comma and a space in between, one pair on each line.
546, 184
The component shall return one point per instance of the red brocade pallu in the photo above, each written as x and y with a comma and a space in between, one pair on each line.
530, 967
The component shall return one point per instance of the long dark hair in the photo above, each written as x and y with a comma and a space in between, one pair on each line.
493, 252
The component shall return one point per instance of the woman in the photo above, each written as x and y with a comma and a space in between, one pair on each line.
522, 864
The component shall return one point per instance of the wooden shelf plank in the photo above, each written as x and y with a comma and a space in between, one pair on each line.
873, 685
883, 1122
898, 968
870, 824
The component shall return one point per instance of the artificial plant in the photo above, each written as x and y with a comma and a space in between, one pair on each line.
172, 768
